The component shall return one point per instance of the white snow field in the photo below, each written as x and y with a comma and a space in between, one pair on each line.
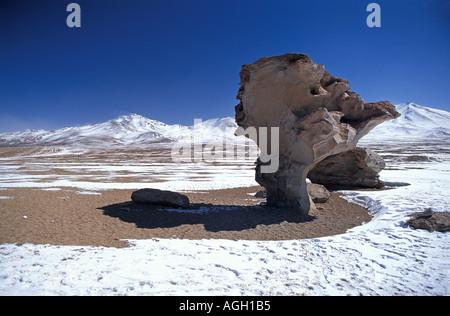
382, 257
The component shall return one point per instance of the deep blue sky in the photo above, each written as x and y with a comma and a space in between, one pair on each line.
174, 61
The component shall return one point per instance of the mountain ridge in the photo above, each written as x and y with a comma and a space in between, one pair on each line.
127, 130
416, 122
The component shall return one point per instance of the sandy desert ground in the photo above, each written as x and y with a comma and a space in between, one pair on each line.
71, 216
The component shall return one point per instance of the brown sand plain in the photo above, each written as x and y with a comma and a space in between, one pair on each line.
66, 217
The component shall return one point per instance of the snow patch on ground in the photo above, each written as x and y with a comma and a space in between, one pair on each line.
88, 193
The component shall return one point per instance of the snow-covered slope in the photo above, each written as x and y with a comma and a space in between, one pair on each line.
125, 130
117, 131
416, 122
218, 129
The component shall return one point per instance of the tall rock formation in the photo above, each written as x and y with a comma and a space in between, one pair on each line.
317, 115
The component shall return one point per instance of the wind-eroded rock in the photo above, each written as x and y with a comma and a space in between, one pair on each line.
356, 167
317, 192
317, 115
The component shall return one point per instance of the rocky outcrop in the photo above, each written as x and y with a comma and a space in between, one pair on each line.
430, 220
356, 167
317, 115
159, 197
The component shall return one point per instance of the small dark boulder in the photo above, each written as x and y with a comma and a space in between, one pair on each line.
160, 197
430, 220
318, 193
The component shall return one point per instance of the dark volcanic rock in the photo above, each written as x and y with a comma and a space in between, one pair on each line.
159, 197
430, 220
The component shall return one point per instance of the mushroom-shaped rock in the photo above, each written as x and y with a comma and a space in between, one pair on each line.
317, 115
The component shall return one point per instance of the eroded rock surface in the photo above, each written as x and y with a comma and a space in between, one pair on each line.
317, 115
317, 192
356, 167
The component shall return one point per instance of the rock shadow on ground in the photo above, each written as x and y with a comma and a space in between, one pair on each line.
214, 218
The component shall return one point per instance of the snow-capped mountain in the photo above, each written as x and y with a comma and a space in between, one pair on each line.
416, 122
115, 131
125, 130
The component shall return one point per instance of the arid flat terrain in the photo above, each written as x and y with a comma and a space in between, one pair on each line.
84, 198
66, 196
66, 217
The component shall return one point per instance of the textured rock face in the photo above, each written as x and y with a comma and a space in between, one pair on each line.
317, 115
356, 167
317, 192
